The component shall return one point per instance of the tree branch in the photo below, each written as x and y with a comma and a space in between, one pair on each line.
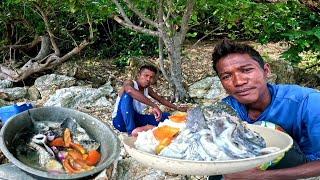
44, 50
169, 10
47, 62
123, 14
313, 5
90, 26
73, 52
51, 35
185, 19
169, 14
135, 27
138, 13
161, 61
32, 67
161, 22
35, 41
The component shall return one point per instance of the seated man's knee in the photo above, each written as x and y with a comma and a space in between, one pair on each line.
126, 98
126, 95
119, 125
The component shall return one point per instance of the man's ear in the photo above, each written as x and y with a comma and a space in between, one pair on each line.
138, 74
267, 70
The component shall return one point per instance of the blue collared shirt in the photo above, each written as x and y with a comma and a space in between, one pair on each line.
296, 109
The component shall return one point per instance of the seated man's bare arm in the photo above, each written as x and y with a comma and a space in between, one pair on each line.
135, 94
163, 101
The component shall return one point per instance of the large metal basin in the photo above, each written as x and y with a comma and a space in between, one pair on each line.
110, 146
272, 137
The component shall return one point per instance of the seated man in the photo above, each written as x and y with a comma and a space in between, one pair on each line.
243, 75
132, 101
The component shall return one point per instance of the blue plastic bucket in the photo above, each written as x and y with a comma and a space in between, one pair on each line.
7, 112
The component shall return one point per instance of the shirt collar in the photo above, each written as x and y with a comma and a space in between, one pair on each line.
241, 109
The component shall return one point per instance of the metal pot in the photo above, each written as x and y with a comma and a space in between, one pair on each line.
110, 146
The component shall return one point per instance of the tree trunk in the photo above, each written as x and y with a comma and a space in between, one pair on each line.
44, 50
34, 66
9, 33
313, 5
161, 60
174, 54
164, 31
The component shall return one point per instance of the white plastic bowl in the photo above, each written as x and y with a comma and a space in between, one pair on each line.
272, 137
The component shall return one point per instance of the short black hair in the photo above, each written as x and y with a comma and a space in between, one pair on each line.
226, 47
149, 67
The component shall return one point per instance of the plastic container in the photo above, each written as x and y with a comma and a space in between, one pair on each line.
7, 112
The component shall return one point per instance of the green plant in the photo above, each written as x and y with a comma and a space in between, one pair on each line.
308, 40
309, 62
266, 22
130, 44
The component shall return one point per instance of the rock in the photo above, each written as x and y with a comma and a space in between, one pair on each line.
33, 93
47, 84
5, 84
106, 89
272, 78
207, 88
79, 97
3, 103
282, 71
15, 93
3, 95
271, 54
129, 168
203, 84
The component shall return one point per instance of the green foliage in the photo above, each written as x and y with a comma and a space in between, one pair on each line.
128, 44
265, 22
309, 62
67, 19
308, 40
22, 16
236, 19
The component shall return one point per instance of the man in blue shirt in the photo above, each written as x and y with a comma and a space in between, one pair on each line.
243, 75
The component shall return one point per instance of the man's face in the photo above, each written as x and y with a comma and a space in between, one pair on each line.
243, 78
146, 78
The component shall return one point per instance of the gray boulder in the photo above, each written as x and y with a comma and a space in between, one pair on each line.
47, 84
79, 97
5, 84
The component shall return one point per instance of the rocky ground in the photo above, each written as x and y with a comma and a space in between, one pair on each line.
94, 73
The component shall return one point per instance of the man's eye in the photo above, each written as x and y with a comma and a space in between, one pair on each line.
247, 70
225, 77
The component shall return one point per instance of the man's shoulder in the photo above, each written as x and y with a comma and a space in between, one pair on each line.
292, 91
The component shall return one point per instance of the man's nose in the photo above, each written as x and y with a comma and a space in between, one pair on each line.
239, 80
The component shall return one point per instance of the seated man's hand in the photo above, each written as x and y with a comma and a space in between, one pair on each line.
157, 113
